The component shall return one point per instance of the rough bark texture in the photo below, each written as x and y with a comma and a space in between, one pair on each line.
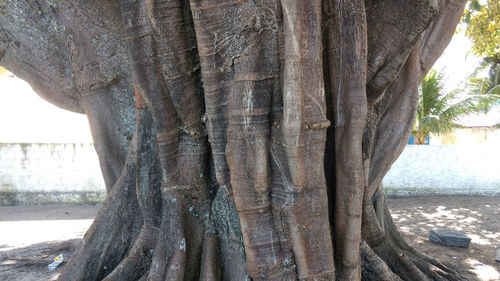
239, 140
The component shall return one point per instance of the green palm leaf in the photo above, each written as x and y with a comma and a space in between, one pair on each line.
438, 113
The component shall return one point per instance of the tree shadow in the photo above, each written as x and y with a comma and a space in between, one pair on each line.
22, 225
478, 217
30, 263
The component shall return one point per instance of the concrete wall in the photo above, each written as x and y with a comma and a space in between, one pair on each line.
469, 136
445, 169
69, 173
49, 173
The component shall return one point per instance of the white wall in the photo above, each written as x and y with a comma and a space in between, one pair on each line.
469, 136
69, 173
43, 173
445, 169
46, 155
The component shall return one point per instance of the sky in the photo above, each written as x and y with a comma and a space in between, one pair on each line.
27, 118
456, 63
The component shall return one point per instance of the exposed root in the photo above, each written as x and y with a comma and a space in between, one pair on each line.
434, 269
159, 263
137, 262
383, 237
373, 268
184, 255
399, 262
113, 231
138, 259
431, 267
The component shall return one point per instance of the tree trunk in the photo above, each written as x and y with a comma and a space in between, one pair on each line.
239, 140
420, 138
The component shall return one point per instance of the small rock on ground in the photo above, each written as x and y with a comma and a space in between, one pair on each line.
451, 238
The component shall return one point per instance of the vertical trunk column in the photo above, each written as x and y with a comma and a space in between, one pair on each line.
299, 188
346, 53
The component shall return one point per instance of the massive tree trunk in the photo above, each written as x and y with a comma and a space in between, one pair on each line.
239, 140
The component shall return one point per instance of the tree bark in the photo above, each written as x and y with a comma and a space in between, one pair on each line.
238, 140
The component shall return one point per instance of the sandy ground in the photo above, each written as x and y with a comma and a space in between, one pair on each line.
478, 217
30, 237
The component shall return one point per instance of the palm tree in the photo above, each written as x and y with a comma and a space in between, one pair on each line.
486, 85
438, 113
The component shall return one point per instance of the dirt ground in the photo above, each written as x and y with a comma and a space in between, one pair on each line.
478, 217
30, 237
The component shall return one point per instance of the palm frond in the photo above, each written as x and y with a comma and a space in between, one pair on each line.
437, 125
483, 64
475, 103
494, 91
438, 113
430, 90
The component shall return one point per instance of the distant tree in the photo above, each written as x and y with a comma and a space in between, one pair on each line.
487, 88
438, 113
483, 28
489, 84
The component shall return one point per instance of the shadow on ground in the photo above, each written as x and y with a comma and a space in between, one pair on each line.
478, 217
24, 257
30, 263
